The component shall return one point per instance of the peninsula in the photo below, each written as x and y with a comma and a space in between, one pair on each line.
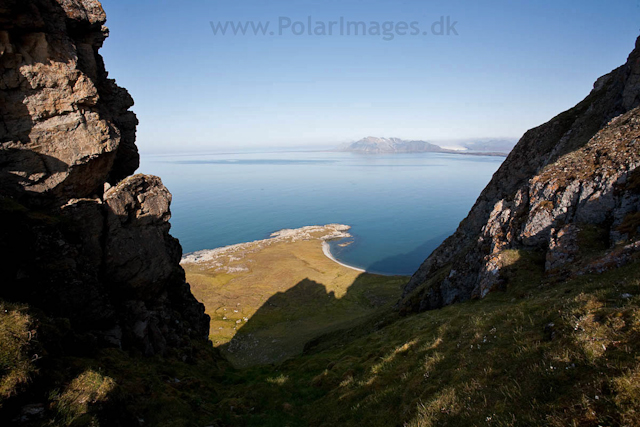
267, 299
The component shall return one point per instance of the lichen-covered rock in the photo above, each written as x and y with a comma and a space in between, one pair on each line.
578, 169
66, 127
82, 241
563, 246
89, 11
614, 258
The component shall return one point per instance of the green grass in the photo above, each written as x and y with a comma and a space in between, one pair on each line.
16, 353
543, 352
277, 298
631, 224
592, 240
497, 361
87, 389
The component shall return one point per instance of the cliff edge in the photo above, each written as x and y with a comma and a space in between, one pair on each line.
81, 238
572, 178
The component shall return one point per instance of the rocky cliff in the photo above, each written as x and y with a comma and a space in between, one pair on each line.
81, 239
568, 184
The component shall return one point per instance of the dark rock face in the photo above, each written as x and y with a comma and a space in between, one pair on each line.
577, 170
139, 252
80, 238
66, 127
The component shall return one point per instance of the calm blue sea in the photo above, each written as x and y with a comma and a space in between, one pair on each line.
400, 206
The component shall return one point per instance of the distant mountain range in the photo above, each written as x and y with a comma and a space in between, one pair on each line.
374, 145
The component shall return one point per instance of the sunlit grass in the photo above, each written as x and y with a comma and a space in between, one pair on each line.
279, 297
16, 356
537, 354
88, 388
543, 352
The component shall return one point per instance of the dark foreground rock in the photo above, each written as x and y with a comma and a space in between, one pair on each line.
80, 238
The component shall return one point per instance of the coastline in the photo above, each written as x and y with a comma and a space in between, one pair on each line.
268, 298
327, 232
326, 249
330, 231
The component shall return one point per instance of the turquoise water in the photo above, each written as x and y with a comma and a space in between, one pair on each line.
400, 206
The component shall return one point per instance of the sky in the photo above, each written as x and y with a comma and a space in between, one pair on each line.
505, 66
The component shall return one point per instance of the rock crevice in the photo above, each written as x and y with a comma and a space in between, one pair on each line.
83, 239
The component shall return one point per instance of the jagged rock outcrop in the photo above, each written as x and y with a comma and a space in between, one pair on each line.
81, 239
576, 172
66, 128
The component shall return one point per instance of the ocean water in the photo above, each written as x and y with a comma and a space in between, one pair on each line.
400, 206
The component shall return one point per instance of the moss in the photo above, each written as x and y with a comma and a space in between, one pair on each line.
546, 205
592, 239
536, 354
631, 224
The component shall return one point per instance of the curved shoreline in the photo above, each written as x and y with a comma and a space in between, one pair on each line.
326, 249
332, 232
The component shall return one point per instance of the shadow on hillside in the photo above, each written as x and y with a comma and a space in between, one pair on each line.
484, 353
288, 320
308, 317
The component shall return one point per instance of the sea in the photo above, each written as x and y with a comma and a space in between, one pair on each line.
400, 206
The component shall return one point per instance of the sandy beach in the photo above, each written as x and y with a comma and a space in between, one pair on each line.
324, 233
312, 232
326, 249
269, 297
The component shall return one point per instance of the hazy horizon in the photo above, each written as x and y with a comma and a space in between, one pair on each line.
178, 148
505, 68
230, 148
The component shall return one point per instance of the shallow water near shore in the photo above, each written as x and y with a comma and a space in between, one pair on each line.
400, 206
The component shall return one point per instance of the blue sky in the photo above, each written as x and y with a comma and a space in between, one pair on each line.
512, 66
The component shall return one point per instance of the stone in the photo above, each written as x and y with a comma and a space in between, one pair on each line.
88, 242
563, 247
66, 126
140, 255
575, 170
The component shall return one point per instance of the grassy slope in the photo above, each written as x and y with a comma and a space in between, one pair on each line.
282, 296
497, 361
